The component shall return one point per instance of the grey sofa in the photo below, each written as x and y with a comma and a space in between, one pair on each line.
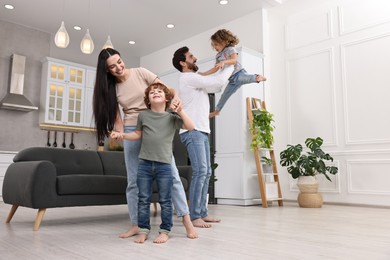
43, 177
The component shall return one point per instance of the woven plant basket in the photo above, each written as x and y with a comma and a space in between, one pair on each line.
310, 200
309, 196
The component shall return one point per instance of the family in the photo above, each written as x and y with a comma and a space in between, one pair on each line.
152, 113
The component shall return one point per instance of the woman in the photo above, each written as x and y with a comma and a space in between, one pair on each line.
117, 85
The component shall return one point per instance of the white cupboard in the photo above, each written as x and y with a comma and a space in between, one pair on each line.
236, 172
65, 93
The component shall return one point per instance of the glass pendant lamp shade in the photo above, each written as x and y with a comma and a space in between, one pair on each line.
86, 44
108, 43
61, 39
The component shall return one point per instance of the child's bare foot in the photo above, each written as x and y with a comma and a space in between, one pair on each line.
211, 219
213, 114
141, 238
260, 78
161, 238
191, 232
200, 223
131, 232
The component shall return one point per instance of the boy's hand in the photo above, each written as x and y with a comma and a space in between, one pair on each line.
176, 105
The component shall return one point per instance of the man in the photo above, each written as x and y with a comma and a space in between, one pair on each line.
193, 90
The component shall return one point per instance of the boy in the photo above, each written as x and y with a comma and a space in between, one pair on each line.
157, 128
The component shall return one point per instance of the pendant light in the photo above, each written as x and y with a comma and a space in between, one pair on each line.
108, 43
61, 39
87, 44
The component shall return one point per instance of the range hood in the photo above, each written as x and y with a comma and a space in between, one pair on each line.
15, 99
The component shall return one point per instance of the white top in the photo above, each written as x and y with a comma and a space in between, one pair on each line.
193, 91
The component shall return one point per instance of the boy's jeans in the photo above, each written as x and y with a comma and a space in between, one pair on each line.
161, 172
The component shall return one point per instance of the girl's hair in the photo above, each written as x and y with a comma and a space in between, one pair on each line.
105, 104
158, 85
226, 37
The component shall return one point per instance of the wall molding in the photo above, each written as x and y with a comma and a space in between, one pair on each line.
341, 19
344, 83
351, 190
329, 31
330, 52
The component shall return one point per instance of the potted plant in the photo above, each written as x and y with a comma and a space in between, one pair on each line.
267, 164
305, 165
262, 130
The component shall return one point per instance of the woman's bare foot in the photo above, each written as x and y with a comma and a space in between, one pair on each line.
161, 238
131, 232
211, 219
213, 114
200, 223
191, 232
141, 238
260, 78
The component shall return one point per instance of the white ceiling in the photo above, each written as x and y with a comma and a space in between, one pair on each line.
143, 21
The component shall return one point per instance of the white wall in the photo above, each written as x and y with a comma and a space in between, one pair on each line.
328, 70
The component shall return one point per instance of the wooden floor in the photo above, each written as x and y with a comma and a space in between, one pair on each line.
252, 232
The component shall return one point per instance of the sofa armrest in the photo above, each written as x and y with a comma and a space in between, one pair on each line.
30, 184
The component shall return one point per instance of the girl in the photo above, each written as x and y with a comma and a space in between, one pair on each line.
223, 41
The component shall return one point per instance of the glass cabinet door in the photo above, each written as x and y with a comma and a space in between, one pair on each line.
56, 98
74, 105
57, 72
76, 76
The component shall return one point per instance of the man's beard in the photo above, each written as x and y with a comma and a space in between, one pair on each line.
192, 66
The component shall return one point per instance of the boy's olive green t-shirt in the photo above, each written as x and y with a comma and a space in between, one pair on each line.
158, 130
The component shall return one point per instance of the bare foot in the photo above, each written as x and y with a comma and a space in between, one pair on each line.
141, 238
191, 232
131, 232
200, 223
161, 238
213, 114
260, 78
211, 219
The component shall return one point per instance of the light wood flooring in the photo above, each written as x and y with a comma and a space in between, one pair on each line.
252, 232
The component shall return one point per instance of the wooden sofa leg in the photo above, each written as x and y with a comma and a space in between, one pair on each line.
155, 209
11, 213
39, 218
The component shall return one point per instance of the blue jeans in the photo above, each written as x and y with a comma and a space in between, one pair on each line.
131, 150
235, 82
161, 172
198, 148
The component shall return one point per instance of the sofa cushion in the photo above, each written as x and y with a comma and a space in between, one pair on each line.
66, 161
113, 162
91, 184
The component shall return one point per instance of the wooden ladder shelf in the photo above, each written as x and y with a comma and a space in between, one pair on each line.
268, 181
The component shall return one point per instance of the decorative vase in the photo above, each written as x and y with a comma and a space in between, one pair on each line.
309, 197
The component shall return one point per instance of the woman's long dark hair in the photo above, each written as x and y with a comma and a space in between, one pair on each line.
105, 104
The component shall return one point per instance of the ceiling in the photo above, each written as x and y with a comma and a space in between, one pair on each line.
143, 21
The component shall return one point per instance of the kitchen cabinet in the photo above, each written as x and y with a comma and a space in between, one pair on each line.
63, 93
